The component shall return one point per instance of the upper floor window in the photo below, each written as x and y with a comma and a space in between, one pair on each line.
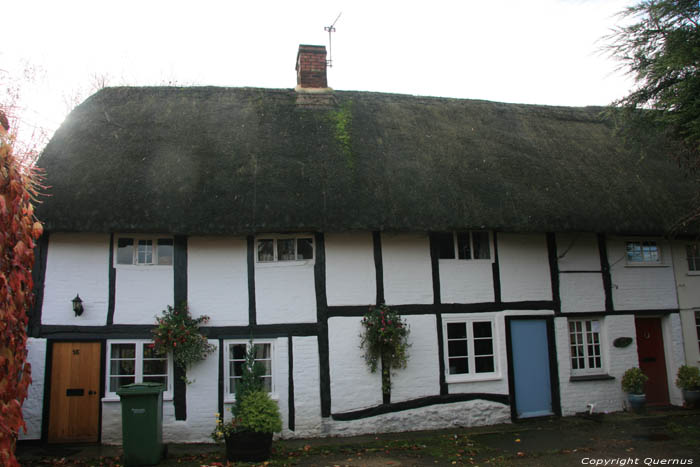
235, 359
145, 251
470, 350
463, 245
697, 326
585, 345
285, 249
643, 252
136, 362
693, 255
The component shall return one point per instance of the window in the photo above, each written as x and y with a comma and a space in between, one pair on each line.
235, 358
643, 252
463, 245
693, 255
470, 350
136, 362
584, 341
697, 326
145, 251
285, 249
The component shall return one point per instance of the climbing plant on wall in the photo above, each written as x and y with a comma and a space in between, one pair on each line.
385, 341
19, 230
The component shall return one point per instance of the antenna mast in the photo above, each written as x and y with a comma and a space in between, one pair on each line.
330, 30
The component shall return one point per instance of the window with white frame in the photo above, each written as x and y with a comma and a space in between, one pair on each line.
136, 362
643, 252
697, 326
470, 348
585, 345
145, 250
285, 248
235, 359
693, 255
463, 245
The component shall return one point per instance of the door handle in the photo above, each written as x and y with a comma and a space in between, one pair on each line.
91, 392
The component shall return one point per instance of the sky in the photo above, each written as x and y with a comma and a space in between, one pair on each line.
533, 52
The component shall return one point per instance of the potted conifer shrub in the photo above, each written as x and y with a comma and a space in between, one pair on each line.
248, 435
633, 381
688, 381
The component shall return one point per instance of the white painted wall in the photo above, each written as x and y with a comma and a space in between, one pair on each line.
76, 264
285, 292
581, 292
578, 252
350, 270
641, 287
141, 293
466, 281
202, 402
673, 351
688, 286
421, 377
524, 267
353, 386
607, 395
217, 279
307, 395
408, 277
33, 406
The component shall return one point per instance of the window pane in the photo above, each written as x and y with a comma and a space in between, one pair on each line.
459, 366
463, 247
267, 383
267, 365
116, 383
156, 379
123, 350
144, 253
483, 347
305, 248
125, 251
121, 368
650, 252
237, 351
445, 245
149, 351
456, 330
165, 251
457, 348
262, 351
155, 367
697, 324
482, 329
232, 385
236, 368
634, 252
285, 249
266, 250
481, 245
484, 364
693, 254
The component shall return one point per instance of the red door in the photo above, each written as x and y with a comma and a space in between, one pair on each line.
652, 361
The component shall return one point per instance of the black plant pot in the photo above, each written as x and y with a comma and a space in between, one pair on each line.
248, 446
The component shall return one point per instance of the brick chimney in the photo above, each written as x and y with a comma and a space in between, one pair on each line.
311, 67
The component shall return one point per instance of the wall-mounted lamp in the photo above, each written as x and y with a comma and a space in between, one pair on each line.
77, 305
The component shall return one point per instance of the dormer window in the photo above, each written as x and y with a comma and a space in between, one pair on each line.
463, 245
285, 248
145, 251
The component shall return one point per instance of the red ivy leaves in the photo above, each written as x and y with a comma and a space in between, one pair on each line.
18, 230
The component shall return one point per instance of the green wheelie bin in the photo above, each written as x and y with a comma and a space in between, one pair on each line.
142, 423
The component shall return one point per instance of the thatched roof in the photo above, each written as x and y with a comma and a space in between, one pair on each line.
205, 160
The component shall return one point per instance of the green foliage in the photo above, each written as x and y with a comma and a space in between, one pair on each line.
251, 378
633, 381
688, 378
342, 122
661, 48
385, 340
178, 332
257, 412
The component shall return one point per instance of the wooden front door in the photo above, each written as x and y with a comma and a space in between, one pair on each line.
652, 360
75, 392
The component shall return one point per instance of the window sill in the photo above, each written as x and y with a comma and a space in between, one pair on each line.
472, 379
284, 264
232, 400
111, 398
143, 267
642, 265
600, 377
693, 273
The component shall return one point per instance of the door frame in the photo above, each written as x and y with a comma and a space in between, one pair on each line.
668, 377
48, 368
553, 367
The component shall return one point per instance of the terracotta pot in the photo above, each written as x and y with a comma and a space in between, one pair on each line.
249, 446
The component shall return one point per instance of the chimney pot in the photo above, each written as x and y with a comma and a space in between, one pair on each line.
311, 67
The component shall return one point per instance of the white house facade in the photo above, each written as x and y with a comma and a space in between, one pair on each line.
509, 319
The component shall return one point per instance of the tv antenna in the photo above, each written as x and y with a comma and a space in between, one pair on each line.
330, 30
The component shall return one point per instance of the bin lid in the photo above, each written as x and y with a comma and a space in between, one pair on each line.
140, 388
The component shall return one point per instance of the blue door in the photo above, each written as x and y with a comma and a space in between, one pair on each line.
530, 360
